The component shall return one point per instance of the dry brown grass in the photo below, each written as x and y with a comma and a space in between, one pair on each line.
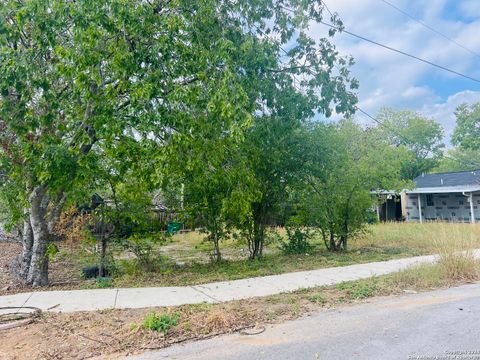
455, 244
423, 238
457, 260
218, 319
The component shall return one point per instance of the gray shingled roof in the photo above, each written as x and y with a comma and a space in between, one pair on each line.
460, 178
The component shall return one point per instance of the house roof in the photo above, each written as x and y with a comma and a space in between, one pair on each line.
461, 181
461, 178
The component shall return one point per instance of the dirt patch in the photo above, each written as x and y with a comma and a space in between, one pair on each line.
109, 334
8, 251
64, 272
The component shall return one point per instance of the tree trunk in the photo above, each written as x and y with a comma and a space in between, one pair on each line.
38, 270
217, 256
102, 269
333, 244
257, 243
27, 244
21, 264
344, 237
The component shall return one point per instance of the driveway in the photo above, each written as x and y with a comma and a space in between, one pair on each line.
418, 326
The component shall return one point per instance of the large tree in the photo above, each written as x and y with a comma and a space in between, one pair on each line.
459, 159
83, 78
241, 182
345, 164
421, 136
467, 132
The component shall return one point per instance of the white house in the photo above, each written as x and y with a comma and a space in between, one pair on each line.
453, 196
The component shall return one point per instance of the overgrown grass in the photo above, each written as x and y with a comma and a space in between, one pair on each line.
168, 273
417, 238
184, 260
380, 242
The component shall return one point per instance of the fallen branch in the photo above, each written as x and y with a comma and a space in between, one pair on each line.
15, 319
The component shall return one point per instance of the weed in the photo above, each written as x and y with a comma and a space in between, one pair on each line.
317, 299
364, 290
103, 282
358, 289
163, 322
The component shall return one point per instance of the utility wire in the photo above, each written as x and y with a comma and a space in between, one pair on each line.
430, 28
400, 52
469, 164
380, 123
326, 7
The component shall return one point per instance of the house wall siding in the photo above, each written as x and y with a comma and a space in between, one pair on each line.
446, 207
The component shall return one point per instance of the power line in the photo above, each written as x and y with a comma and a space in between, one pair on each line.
326, 7
380, 123
430, 28
400, 52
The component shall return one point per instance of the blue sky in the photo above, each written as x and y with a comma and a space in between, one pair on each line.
393, 80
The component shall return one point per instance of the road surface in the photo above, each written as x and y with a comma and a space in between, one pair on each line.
415, 326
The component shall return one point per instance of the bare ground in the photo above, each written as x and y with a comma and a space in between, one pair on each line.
64, 272
108, 334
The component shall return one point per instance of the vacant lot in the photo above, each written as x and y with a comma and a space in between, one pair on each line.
185, 258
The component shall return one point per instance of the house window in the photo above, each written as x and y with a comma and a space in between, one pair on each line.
461, 202
430, 200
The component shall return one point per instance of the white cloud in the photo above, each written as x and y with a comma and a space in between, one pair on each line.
393, 80
444, 112
470, 8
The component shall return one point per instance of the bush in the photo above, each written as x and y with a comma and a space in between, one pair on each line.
92, 271
163, 322
103, 282
298, 240
143, 247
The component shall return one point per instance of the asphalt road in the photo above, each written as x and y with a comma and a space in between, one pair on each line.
415, 326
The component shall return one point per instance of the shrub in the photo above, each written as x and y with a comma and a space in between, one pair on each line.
163, 322
142, 246
103, 282
298, 240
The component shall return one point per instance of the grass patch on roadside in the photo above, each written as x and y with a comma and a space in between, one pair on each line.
117, 331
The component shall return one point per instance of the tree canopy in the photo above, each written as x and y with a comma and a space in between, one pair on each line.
421, 136
467, 132
86, 81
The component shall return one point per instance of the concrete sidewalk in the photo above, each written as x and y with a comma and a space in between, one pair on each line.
90, 300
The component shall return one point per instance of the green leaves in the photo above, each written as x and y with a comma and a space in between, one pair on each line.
422, 138
467, 131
